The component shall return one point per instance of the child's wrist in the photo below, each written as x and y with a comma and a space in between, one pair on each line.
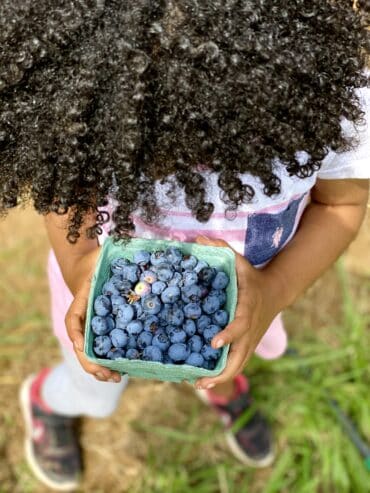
280, 293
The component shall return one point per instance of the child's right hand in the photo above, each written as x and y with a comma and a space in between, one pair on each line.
75, 319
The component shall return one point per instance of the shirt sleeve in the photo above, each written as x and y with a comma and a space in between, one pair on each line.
354, 163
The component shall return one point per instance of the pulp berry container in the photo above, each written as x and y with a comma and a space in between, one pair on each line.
220, 257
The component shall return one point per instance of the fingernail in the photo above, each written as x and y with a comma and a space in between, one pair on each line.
210, 386
77, 345
112, 380
220, 343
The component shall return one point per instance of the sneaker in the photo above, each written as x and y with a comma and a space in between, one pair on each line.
251, 444
51, 444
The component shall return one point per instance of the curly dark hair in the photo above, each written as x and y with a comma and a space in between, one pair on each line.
106, 97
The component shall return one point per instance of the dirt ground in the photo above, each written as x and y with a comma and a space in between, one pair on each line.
26, 345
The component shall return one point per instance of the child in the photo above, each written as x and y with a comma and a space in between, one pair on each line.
123, 101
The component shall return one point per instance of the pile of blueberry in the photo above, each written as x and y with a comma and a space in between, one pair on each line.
164, 306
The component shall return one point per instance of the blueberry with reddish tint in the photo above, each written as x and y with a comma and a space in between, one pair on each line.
123, 285
117, 301
142, 257
211, 304
99, 325
102, 305
152, 353
210, 332
144, 340
102, 345
132, 342
161, 340
189, 277
203, 322
131, 272
151, 304
200, 265
134, 327
132, 353
177, 335
164, 272
109, 289
158, 287
220, 281
178, 352
119, 338
118, 264
116, 353
148, 276
192, 310
209, 353
171, 294
125, 314
142, 288
195, 344
221, 318
206, 275
176, 279
157, 258
195, 359
191, 294
174, 256
188, 262
190, 327
221, 295
151, 323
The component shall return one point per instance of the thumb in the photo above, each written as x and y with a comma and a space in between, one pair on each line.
204, 240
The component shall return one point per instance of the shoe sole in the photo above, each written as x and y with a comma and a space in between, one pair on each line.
235, 448
25, 404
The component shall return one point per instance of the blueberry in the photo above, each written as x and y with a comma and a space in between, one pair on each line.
151, 323
110, 322
189, 262
152, 353
209, 364
191, 294
158, 287
164, 272
200, 265
99, 325
142, 288
132, 342
125, 314
203, 322
118, 264
178, 352
148, 276
195, 344
176, 279
109, 289
220, 294
161, 340
206, 275
210, 332
144, 340
211, 304
134, 327
167, 359
102, 305
192, 310
170, 294
177, 335
157, 258
221, 318
151, 304
119, 338
220, 281
189, 277
131, 272
132, 353
116, 353
195, 359
189, 327
142, 257
209, 353
138, 309
123, 285
174, 256
174, 315
117, 301
102, 345
204, 291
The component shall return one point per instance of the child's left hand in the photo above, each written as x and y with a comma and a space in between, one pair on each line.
258, 304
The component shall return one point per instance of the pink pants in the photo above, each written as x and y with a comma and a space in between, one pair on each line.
272, 345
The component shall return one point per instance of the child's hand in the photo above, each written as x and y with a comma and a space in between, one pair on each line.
258, 304
75, 322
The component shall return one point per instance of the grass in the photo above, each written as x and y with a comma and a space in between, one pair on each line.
162, 439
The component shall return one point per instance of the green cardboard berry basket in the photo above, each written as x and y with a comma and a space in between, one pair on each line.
220, 257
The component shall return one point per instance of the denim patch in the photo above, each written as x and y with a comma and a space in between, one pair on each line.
267, 232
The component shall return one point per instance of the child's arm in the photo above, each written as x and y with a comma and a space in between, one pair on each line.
329, 224
77, 263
